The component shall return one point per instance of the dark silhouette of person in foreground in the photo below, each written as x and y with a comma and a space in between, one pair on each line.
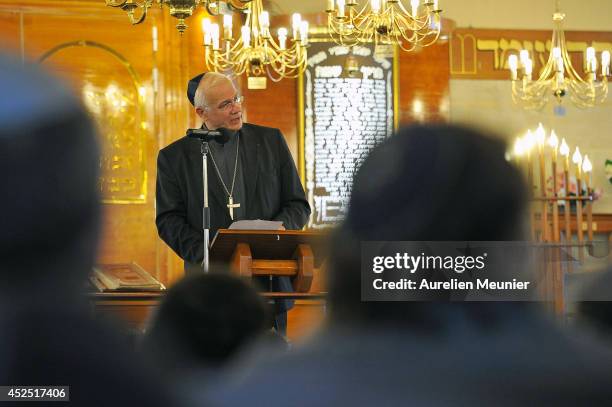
49, 217
204, 321
428, 183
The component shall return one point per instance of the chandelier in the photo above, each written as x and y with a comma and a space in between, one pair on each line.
255, 51
180, 9
558, 77
386, 22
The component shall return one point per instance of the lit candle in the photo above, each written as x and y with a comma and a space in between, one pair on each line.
587, 167
553, 142
519, 147
529, 141
227, 27
577, 159
282, 38
564, 151
246, 36
540, 135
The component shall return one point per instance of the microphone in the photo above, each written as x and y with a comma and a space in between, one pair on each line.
220, 135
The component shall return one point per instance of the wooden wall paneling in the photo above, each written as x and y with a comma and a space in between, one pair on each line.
128, 229
178, 62
424, 84
275, 106
10, 38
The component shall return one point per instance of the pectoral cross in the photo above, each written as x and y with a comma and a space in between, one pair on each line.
231, 205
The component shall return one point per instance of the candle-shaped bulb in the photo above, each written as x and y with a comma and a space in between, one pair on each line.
586, 164
304, 32
282, 37
540, 135
246, 35
560, 66
297, 20
206, 30
528, 64
553, 141
415, 6
375, 5
436, 6
227, 26
264, 20
524, 56
590, 54
340, 8
214, 33
605, 62
577, 157
330, 6
564, 149
513, 64
593, 65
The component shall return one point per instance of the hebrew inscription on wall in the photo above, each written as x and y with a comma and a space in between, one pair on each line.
483, 53
348, 111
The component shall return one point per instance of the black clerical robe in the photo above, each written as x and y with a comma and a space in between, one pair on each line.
273, 190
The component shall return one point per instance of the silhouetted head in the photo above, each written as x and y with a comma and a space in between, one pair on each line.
204, 320
426, 183
49, 210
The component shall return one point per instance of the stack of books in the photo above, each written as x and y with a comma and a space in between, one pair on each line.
123, 277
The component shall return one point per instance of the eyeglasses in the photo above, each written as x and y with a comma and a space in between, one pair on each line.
226, 105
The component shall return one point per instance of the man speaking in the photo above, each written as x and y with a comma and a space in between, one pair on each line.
251, 176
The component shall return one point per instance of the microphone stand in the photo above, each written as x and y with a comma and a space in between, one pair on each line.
204, 149
204, 136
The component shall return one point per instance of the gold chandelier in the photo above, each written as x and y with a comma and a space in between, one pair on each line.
255, 51
180, 9
386, 22
558, 77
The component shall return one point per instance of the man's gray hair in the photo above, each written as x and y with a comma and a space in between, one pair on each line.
209, 81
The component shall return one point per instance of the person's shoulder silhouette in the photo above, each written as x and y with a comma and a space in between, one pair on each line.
50, 214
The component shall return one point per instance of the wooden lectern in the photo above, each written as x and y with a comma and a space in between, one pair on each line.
253, 253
